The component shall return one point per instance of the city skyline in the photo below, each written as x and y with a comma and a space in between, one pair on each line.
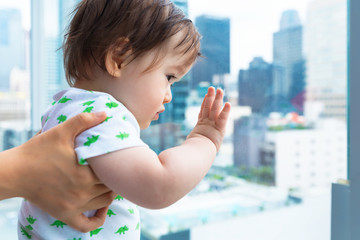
246, 19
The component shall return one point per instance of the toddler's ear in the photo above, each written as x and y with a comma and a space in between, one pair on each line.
116, 56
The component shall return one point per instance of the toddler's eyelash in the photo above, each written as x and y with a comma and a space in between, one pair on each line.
170, 77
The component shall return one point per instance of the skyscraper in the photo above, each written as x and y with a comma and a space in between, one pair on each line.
215, 47
326, 54
287, 59
12, 45
254, 85
248, 138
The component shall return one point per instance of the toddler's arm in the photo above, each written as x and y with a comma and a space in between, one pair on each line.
152, 181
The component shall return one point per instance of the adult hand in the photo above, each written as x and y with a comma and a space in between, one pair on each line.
45, 171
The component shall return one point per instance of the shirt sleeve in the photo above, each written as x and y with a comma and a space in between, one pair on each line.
120, 130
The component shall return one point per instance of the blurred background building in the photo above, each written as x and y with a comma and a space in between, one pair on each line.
215, 48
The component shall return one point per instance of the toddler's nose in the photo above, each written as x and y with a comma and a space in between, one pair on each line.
168, 96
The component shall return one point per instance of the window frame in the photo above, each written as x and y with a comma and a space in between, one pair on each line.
345, 211
354, 116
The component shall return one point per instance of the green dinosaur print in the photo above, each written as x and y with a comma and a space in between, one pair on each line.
122, 230
88, 109
75, 239
25, 233
91, 140
95, 232
47, 118
31, 220
58, 223
53, 103
131, 210
137, 226
110, 213
107, 118
64, 99
82, 161
118, 197
122, 136
112, 104
61, 118
124, 118
88, 103
29, 227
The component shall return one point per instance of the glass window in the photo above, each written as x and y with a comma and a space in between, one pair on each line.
14, 92
283, 66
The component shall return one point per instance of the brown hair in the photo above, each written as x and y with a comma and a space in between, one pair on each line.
98, 25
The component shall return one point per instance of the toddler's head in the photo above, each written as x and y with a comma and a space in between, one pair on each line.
127, 28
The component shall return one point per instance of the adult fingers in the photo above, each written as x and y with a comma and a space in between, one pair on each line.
223, 116
85, 224
85, 176
101, 201
81, 122
217, 104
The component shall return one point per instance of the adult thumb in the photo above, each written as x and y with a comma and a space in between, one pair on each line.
81, 122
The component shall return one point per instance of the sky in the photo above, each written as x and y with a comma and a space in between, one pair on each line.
252, 23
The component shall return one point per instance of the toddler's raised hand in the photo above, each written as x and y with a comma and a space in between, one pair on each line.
212, 117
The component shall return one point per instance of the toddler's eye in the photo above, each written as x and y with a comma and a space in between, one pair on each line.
170, 77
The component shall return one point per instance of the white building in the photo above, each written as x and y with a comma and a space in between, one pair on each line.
14, 106
326, 57
309, 159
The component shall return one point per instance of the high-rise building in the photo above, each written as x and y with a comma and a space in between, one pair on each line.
215, 47
254, 85
326, 54
12, 45
288, 61
249, 135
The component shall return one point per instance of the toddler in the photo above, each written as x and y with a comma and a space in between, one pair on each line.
122, 57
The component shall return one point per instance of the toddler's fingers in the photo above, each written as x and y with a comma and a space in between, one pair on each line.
202, 106
223, 116
208, 102
217, 104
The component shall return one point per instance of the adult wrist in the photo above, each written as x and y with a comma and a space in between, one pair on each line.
10, 174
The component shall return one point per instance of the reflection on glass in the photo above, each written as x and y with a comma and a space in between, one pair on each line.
283, 66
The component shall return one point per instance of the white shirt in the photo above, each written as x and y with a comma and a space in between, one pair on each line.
120, 130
